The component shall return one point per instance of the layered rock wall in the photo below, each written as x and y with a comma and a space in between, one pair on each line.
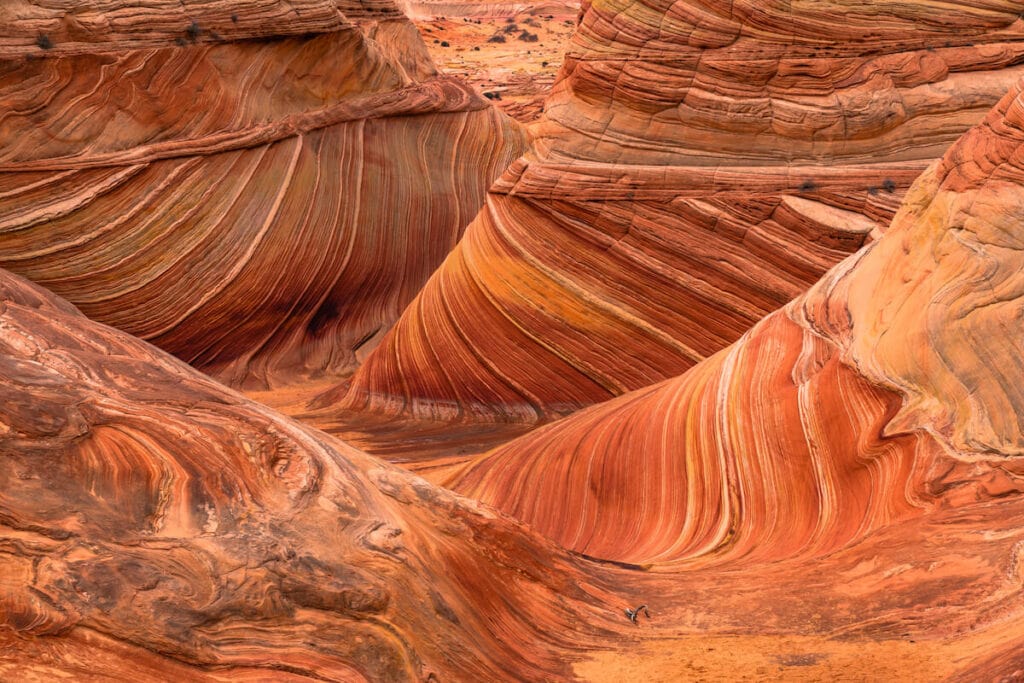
700, 165
259, 188
883, 394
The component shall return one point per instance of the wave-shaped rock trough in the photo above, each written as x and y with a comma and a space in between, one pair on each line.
882, 394
836, 493
699, 166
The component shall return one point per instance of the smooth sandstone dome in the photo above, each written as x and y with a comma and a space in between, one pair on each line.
888, 392
700, 165
257, 187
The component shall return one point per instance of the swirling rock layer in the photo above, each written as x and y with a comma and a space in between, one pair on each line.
208, 176
155, 525
154, 522
883, 394
699, 166
836, 494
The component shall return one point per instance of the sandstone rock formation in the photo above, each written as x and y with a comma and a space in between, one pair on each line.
701, 164
256, 187
855, 457
888, 392
839, 496
836, 494
155, 524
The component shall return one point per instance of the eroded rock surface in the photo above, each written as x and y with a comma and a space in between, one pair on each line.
855, 457
883, 394
256, 187
837, 494
154, 523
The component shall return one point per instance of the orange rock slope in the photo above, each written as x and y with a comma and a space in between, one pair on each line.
862, 446
886, 393
699, 166
155, 525
257, 187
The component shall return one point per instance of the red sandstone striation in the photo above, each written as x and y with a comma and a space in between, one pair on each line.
154, 523
855, 458
886, 393
837, 495
700, 165
258, 187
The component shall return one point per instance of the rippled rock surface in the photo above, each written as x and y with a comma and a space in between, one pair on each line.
838, 494
856, 456
701, 164
257, 187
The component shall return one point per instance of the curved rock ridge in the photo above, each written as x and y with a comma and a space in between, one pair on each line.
779, 82
942, 328
222, 198
154, 521
32, 27
885, 393
699, 166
